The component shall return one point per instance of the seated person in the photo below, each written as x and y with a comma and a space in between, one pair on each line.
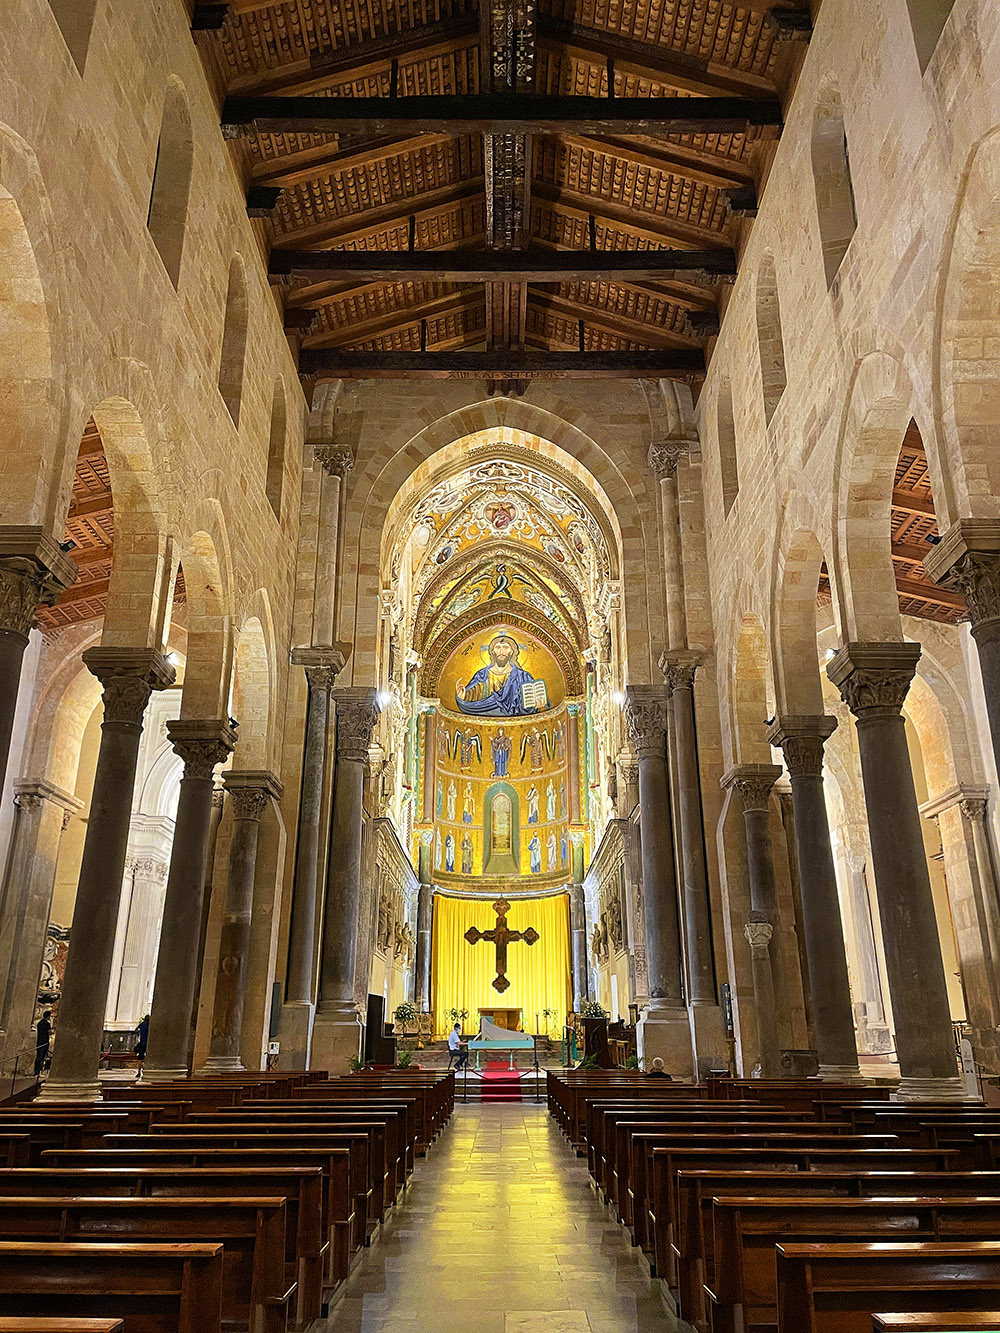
455, 1044
656, 1069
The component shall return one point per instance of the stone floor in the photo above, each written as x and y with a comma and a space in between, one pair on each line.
500, 1232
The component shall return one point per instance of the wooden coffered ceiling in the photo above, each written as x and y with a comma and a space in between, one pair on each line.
508, 188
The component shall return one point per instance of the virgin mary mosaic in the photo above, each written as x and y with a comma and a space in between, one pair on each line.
502, 688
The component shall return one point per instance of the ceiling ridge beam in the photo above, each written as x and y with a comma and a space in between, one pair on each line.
687, 363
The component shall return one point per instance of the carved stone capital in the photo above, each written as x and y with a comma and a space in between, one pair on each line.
322, 664
678, 667
201, 743
357, 715
645, 710
758, 931
334, 459
664, 456
967, 558
973, 809
802, 740
250, 790
874, 678
34, 571
32, 793
128, 678
753, 783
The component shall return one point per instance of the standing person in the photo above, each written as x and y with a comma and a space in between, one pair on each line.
141, 1041
43, 1040
456, 1046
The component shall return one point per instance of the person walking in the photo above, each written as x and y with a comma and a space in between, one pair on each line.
43, 1040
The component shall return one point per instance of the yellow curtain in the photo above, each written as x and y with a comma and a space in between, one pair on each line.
539, 974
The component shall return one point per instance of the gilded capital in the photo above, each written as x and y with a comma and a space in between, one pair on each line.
874, 678
645, 710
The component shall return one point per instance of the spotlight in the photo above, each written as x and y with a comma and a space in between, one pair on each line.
69, 545
173, 659
933, 538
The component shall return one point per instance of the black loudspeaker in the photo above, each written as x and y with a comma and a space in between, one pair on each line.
275, 1018
374, 1022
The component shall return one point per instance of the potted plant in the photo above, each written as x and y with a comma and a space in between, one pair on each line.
592, 1009
404, 1014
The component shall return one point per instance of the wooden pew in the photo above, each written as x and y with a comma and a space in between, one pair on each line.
31, 1324
839, 1288
256, 1291
152, 1288
945, 1322
335, 1162
741, 1292
307, 1248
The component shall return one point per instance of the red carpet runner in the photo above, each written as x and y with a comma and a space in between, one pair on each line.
500, 1084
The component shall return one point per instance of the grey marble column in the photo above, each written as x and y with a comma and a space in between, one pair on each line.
973, 810
34, 571
422, 963
249, 791
874, 679
203, 745
753, 783
336, 1032
663, 459
336, 462
967, 558
218, 802
679, 668
578, 941
801, 740
322, 666
128, 678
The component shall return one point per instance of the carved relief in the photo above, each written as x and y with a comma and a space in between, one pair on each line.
976, 575
646, 720
248, 802
356, 721
335, 460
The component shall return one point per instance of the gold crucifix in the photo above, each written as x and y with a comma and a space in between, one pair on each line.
500, 936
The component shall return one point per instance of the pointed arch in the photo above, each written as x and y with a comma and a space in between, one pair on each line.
234, 339
725, 430
274, 481
770, 343
927, 20
831, 166
171, 187
76, 23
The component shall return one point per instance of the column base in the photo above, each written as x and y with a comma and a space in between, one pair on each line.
88, 1090
841, 1074
665, 1032
932, 1090
708, 1039
336, 1037
223, 1064
295, 1027
164, 1075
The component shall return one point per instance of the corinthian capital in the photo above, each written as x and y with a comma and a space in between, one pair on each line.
334, 459
322, 664
664, 455
357, 714
967, 558
753, 783
129, 677
250, 790
645, 710
802, 740
202, 744
758, 931
874, 678
34, 572
678, 667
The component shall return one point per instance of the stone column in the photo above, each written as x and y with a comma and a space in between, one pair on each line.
973, 810
322, 667
578, 943
663, 1028
753, 783
430, 761
573, 756
758, 931
202, 745
337, 1029
34, 571
967, 558
425, 922
128, 678
218, 801
336, 462
663, 459
249, 791
801, 740
43, 812
873, 679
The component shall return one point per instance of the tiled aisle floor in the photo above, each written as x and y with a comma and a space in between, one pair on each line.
500, 1232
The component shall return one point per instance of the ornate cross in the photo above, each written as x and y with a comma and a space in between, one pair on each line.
500, 936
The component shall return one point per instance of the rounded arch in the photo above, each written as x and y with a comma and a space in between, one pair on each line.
798, 561
750, 692
253, 686
968, 359
381, 484
170, 190
770, 342
207, 580
236, 322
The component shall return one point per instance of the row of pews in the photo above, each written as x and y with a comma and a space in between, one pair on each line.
236, 1200
797, 1206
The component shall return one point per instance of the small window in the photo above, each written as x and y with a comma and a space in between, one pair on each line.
234, 340
76, 23
171, 190
276, 450
726, 430
927, 20
838, 219
770, 343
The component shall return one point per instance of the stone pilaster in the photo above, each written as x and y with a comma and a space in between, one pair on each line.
336, 462
802, 739
967, 558
578, 945
250, 791
758, 931
337, 1029
425, 922
663, 1029
203, 745
34, 571
128, 678
322, 667
664, 455
873, 679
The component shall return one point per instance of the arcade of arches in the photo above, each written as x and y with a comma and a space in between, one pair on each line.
312, 651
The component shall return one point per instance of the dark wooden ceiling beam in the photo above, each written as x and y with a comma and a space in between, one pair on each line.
628, 217
396, 212
930, 592
674, 69
911, 552
498, 113
102, 503
673, 363
84, 592
490, 265
912, 502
